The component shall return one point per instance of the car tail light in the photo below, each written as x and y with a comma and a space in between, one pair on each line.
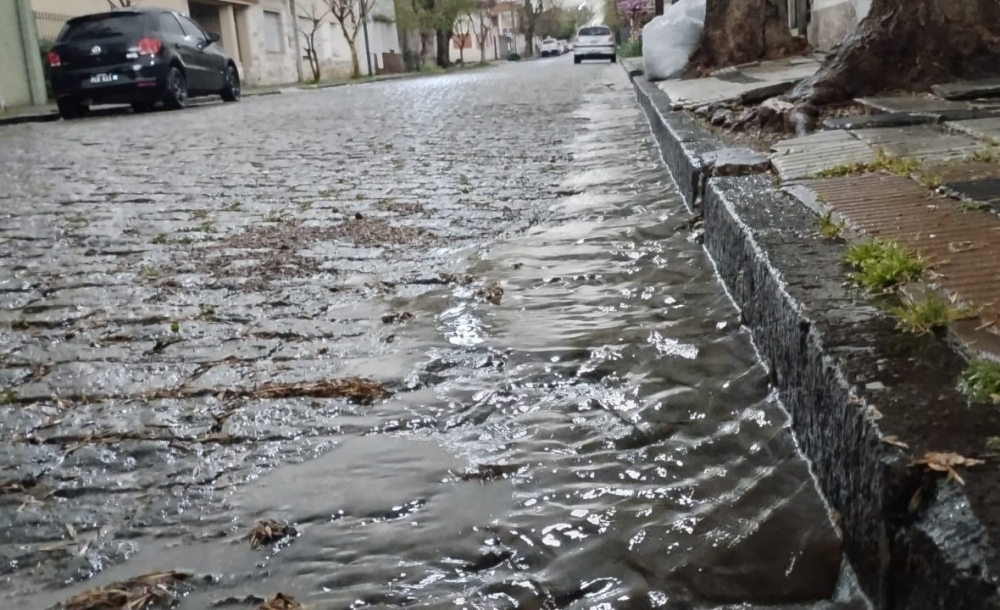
54, 60
149, 46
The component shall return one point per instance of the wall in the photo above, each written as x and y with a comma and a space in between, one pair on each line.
832, 20
268, 67
15, 82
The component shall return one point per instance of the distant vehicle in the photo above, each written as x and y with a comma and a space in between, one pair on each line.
563, 47
140, 57
550, 47
594, 42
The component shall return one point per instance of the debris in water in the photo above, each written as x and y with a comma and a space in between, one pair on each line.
946, 462
363, 391
489, 472
492, 293
282, 602
392, 318
267, 531
139, 593
892, 439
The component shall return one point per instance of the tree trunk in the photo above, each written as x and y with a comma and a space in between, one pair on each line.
443, 40
909, 46
482, 50
744, 31
355, 67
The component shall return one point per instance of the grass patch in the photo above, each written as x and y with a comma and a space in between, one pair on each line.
900, 166
926, 315
830, 229
987, 155
161, 239
981, 381
881, 265
631, 48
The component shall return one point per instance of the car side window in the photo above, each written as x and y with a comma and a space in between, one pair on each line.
190, 29
168, 25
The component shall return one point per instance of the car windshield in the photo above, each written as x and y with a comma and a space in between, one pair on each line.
109, 25
593, 31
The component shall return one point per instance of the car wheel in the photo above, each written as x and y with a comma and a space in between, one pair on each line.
138, 107
69, 109
614, 58
231, 92
177, 92
576, 60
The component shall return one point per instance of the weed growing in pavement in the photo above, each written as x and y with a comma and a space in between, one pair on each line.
930, 181
305, 206
986, 155
277, 217
901, 166
847, 169
926, 315
881, 265
149, 272
205, 310
160, 239
981, 381
830, 229
8, 397
233, 207
175, 327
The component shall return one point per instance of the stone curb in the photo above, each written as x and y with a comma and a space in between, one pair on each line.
822, 344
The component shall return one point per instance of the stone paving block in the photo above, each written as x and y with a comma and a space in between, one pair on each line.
925, 143
799, 158
969, 89
911, 104
983, 129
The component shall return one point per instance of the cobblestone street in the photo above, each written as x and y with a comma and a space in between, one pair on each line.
193, 299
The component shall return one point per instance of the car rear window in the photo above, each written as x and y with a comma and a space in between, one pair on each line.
111, 25
592, 31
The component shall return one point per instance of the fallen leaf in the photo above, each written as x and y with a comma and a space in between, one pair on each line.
892, 439
282, 602
267, 531
941, 461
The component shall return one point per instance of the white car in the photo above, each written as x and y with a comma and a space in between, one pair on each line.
594, 42
550, 46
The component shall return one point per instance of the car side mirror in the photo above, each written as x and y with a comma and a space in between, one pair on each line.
213, 37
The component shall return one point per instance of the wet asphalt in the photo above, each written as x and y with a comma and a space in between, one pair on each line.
561, 411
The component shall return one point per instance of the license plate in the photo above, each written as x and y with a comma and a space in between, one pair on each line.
98, 79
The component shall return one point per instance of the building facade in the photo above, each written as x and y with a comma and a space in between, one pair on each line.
269, 45
21, 78
826, 22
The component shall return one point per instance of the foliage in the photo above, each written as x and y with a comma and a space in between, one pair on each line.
348, 14
926, 315
514, 57
630, 48
828, 228
981, 381
881, 265
315, 21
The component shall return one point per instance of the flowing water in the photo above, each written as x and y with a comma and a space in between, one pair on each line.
600, 435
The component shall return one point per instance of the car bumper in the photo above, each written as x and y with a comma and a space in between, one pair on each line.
595, 51
138, 81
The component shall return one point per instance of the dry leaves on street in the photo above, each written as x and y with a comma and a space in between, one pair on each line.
281, 602
139, 593
355, 389
947, 462
492, 293
267, 531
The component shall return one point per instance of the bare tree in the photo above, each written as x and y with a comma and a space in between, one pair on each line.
348, 14
531, 10
315, 19
461, 34
482, 20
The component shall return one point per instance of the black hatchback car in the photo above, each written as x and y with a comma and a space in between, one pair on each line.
140, 57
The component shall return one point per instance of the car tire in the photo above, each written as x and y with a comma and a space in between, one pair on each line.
232, 92
576, 60
69, 109
614, 58
138, 107
176, 94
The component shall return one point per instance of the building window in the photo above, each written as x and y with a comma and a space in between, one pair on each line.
272, 32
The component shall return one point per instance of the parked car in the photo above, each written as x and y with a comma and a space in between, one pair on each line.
594, 42
563, 46
140, 57
550, 47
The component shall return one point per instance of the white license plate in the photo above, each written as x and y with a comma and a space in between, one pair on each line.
97, 79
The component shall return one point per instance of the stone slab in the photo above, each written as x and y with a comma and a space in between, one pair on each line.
925, 143
691, 93
982, 129
871, 121
968, 90
803, 157
910, 104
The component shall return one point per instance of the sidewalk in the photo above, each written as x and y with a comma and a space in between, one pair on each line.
48, 112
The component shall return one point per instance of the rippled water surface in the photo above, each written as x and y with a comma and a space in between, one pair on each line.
582, 424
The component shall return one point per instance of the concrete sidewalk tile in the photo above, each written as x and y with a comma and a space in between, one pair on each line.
910, 104
982, 129
925, 143
962, 245
800, 158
